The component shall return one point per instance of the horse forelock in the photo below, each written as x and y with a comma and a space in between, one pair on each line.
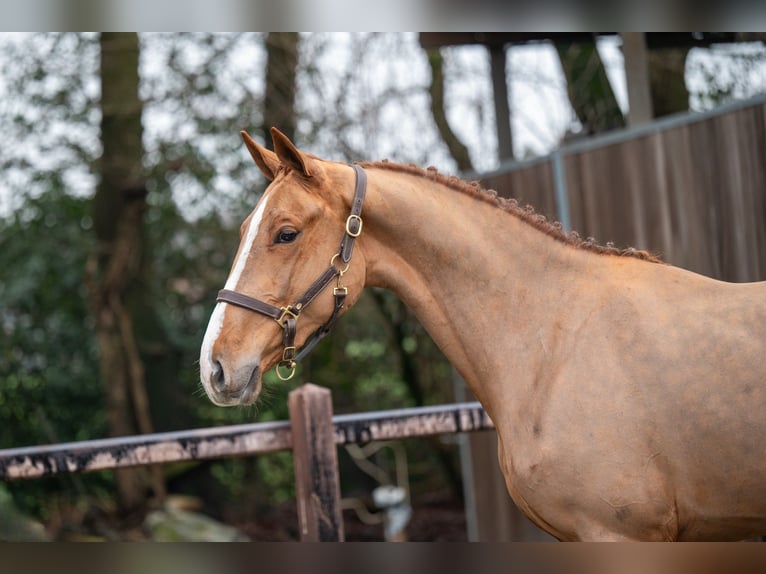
525, 213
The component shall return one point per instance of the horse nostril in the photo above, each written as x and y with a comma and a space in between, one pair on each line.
219, 380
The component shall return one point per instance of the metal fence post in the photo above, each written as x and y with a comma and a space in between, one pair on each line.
317, 485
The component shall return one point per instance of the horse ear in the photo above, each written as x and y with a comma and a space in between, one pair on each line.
267, 161
288, 154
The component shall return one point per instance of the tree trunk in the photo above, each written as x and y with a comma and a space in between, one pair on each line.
457, 148
113, 274
667, 80
588, 87
281, 70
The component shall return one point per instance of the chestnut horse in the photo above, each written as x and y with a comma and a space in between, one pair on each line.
628, 394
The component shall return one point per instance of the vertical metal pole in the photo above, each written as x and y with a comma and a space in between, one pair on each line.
560, 189
466, 465
317, 485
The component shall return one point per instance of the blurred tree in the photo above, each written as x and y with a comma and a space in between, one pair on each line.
667, 80
49, 385
281, 71
457, 148
48, 375
656, 78
588, 87
121, 305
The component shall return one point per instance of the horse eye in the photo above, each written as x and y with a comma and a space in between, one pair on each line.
286, 235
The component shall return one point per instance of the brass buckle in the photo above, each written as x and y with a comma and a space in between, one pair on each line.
351, 218
288, 351
285, 312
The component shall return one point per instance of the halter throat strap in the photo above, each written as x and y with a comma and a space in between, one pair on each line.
287, 317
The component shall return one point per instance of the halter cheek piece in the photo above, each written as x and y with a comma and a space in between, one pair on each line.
287, 317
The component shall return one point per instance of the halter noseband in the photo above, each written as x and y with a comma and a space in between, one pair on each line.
287, 317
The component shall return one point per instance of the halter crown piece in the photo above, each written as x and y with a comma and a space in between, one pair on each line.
287, 317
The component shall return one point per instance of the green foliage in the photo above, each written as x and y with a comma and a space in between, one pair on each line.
199, 91
49, 387
276, 472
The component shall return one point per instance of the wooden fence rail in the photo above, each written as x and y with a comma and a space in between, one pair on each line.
312, 433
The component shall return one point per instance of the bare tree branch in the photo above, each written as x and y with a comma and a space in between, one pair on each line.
457, 149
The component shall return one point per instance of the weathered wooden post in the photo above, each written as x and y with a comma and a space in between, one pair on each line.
317, 486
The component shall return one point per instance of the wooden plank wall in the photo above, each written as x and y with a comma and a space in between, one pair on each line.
694, 193
531, 185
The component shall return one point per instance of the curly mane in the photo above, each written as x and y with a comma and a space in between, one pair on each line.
527, 213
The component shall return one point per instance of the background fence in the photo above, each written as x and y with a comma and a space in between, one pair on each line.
312, 433
691, 188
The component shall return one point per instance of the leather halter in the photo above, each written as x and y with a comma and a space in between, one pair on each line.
287, 316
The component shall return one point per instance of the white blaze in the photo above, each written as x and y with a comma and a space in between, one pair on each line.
216, 319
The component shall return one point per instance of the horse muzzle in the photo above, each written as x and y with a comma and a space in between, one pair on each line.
227, 386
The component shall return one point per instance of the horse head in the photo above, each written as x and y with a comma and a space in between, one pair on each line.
290, 279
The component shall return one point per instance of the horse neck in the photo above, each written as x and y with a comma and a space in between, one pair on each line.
480, 280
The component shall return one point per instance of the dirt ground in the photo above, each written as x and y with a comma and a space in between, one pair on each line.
434, 518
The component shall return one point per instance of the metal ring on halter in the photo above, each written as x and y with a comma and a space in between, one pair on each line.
290, 375
332, 264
